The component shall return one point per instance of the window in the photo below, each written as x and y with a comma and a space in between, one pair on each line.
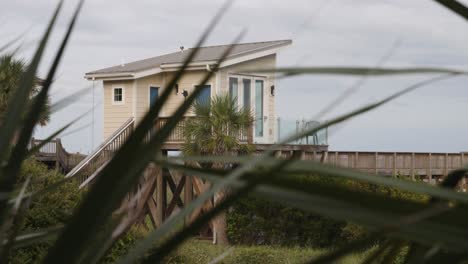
118, 95
246, 100
233, 87
259, 108
204, 97
154, 93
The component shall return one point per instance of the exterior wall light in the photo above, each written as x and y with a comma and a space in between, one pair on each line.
185, 93
177, 88
272, 90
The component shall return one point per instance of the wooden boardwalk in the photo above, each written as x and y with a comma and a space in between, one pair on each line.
161, 191
54, 155
426, 166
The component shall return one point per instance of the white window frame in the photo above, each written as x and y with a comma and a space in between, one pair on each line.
240, 99
240, 87
113, 95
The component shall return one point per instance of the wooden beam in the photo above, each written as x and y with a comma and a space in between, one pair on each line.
356, 159
188, 193
376, 159
446, 165
172, 186
324, 157
161, 196
429, 169
151, 204
176, 196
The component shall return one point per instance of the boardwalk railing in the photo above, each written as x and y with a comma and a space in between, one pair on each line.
177, 134
54, 152
429, 167
93, 162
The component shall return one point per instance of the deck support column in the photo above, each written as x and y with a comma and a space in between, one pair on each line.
429, 169
356, 160
446, 165
462, 163
188, 193
161, 195
376, 159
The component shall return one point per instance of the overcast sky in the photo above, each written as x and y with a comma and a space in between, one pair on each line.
324, 32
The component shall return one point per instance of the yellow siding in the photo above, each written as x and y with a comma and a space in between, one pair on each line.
187, 82
143, 85
116, 114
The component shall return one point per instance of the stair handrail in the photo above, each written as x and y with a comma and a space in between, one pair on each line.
101, 147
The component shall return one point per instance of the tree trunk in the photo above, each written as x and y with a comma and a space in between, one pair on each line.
220, 222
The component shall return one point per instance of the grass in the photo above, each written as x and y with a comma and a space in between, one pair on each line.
201, 251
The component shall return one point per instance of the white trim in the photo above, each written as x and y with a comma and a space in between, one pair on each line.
192, 64
263, 138
149, 92
116, 86
262, 52
239, 78
240, 100
148, 72
126, 75
249, 57
218, 83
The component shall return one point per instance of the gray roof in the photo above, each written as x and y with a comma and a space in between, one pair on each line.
209, 53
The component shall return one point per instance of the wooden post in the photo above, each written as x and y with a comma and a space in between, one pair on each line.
336, 158
161, 195
376, 163
277, 154
412, 166
188, 193
429, 169
446, 165
462, 163
57, 157
394, 165
356, 158
324, 158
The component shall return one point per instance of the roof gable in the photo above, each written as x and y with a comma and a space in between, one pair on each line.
209, 54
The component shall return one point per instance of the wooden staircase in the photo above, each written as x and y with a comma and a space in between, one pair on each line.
86, 171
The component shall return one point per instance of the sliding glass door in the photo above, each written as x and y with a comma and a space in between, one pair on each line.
250, 92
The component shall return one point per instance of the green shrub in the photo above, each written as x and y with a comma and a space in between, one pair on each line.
254, 221
54, 209
49, 210
258, 222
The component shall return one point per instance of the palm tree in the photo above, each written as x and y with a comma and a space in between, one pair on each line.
11, 71
215, 132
